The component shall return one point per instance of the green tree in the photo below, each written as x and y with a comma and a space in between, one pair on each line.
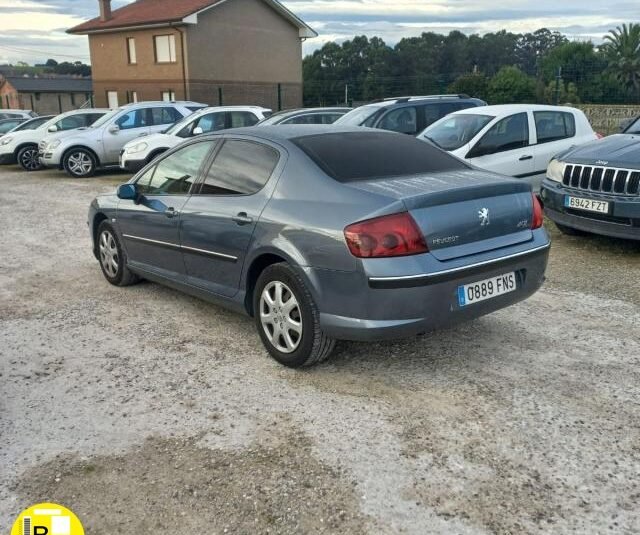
473, 84
564, 93
532, 47
511, 85
622, 48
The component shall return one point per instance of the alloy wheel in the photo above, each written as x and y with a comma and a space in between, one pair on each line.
108, 253
281, 317
79, 163
29, 159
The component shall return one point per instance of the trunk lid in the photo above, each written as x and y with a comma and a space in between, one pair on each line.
463, 212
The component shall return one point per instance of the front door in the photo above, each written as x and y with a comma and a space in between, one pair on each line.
505, 148
131, 125
219, 219
150, 227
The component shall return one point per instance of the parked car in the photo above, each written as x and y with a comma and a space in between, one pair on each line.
518, 140
30, 124
21, 146
9, 124
324, 233
407, 115
16, 114
595, 187
306, 116
83, 152
139, 152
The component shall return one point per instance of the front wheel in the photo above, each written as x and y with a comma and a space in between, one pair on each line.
79, 163
28, 158
288, 320
112, 258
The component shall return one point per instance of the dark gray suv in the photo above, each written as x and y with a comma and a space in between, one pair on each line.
407, 115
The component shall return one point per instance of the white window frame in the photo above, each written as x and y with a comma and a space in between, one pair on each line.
112, 99
169, 95
165, 48
132, 57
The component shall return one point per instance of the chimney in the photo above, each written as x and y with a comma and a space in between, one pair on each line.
105, 10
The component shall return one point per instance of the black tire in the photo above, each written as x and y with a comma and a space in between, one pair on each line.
79, 163
313, 345
569, 231
28, 158
117, 272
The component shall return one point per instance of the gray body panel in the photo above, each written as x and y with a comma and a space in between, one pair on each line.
300, 216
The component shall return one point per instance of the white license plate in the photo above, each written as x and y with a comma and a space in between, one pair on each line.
486, 289
588, 205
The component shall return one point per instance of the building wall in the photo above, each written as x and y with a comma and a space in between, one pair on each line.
111, 70
607, 119
246, 48
41, 103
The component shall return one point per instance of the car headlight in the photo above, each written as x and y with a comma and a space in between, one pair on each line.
6, 140
138, 147
54, 144
555, 171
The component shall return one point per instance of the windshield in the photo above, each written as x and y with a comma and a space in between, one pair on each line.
105, 118
362, 116
634, 127
454, 131
31, 124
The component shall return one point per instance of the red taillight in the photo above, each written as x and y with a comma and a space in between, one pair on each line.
390, 235
538, 213
599, 135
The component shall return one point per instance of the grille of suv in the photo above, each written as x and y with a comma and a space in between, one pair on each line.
602, 179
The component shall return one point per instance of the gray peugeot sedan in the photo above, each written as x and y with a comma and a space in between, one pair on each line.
325, 233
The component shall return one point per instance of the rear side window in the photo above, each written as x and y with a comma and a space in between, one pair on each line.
240, 168
353, 156
238, 119
403, 120
554, 125
91, 118
159, 116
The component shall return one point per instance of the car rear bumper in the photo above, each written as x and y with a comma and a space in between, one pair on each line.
623, 220
7, 159
396, 311
133, 166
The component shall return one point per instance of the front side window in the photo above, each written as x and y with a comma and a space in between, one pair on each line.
403, 120
509, 133
211, 122
165, 47
240, 168
131, 51
8, 125
132, 119
454, 131
176, 173
554, 125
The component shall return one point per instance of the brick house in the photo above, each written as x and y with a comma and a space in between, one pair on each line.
44, 95
211, 51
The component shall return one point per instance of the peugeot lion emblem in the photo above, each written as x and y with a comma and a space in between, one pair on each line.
484, 217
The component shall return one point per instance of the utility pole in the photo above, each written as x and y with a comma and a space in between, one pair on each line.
557, 91
346, 94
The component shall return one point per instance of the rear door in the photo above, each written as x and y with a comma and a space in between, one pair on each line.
218, 221
555, 131
505, 147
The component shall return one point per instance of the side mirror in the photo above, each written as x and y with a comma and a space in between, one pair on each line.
52, 128
197, 131
127, 192
114, 129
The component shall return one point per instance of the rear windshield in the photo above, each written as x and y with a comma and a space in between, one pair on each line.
352, 156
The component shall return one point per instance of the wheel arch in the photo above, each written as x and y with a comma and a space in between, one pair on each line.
256, 267
155, 153
98, 218
23, 145
83, 147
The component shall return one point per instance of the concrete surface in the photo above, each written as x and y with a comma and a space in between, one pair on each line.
148, 411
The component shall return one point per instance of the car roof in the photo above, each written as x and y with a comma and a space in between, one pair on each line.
288, 132
508, 109
161, 103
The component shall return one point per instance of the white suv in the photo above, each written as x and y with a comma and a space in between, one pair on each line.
139, 152
21, 146
82, 152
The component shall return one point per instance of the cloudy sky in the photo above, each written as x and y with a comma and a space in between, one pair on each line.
33, 30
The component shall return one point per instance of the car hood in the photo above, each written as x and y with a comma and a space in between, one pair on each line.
619, 150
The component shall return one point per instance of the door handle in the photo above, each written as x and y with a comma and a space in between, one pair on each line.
171, 212
242, 219
527, 157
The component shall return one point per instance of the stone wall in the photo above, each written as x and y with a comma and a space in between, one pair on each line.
607, 119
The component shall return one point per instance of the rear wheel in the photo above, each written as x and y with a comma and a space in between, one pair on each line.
79, 163
112, 259
288, 320
569, 231
28, 158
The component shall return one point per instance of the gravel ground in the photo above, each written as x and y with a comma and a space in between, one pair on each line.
148, 411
